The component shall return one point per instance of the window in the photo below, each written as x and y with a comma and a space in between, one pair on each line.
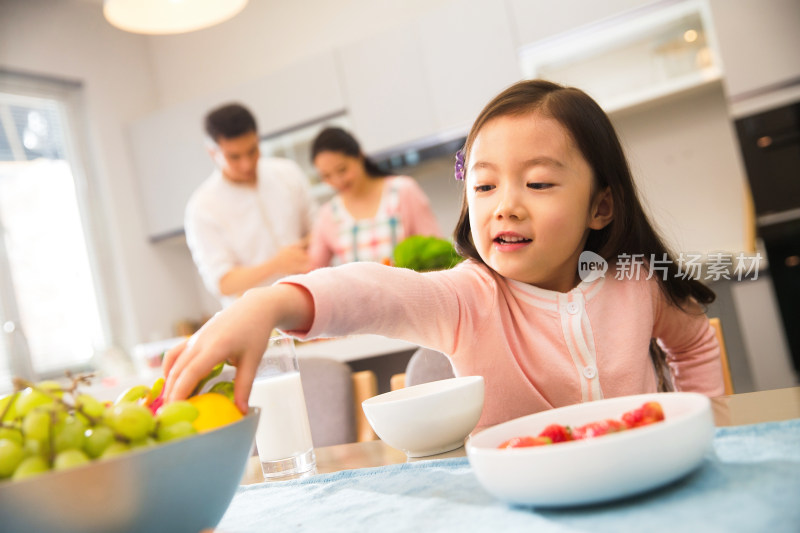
50, 308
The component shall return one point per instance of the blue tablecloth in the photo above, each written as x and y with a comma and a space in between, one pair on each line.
750, 482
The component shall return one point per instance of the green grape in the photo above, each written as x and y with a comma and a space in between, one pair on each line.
114, 449
176, 411
89, 405
177, 430
69, 459
223, 387
155, 391
36, 425
68, 434
11, 455
29, 467
216, 371
58, 411
29, 399
11, 433
8, 407
143, 443
133, 394
97, 439
130, 420
40, 448
53, 387
41, 431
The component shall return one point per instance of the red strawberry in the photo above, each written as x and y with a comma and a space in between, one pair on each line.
557, 433
597, 429
633, 419
525, 442
157, 403
652, 412
648, 413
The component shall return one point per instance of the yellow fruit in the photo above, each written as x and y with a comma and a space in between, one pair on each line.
215, 410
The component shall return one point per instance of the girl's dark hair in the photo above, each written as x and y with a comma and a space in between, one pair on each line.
630, 231
334, 139
229, 121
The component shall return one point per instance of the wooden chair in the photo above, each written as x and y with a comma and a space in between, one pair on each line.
333, 395
723, 354
365, 385
397, 381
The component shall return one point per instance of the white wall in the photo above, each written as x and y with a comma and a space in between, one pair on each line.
72, 40
267, 36
683, 156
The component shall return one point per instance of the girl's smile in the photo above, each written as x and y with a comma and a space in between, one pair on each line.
509, 241
531, 201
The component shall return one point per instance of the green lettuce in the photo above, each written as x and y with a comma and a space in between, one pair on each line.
424, 254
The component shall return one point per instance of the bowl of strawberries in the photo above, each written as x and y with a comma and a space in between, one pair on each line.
593, 452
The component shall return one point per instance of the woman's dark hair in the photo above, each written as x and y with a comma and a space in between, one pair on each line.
229, 121
630, 231
333, 139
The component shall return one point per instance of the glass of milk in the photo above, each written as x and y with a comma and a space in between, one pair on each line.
283, 437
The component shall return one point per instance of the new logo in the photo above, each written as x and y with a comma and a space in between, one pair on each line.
591, 266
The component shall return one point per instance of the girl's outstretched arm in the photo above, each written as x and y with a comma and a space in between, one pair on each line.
238, 335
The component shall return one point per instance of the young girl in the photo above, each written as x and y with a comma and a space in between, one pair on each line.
545, 179
369, 215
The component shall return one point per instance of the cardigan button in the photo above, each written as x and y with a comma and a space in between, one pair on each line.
589, 372
573, 308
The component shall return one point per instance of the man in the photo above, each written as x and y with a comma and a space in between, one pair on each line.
247, 223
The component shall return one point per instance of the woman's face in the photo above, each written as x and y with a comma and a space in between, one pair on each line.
529, 192
343, 172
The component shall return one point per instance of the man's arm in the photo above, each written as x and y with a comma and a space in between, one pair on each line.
292, 259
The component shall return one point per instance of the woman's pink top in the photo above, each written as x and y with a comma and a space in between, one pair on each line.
338, 238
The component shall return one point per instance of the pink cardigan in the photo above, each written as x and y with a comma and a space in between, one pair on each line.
537, 349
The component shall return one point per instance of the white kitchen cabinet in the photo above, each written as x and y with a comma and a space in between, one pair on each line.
535, 20
168, 146
300, 93
388, 96
469, 58
645, 55
758, 42
428, 79
170, 161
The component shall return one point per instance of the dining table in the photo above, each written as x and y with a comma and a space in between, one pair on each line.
749, 481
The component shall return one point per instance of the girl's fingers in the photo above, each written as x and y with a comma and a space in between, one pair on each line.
243, 382
178, 367
186, 374
170, 356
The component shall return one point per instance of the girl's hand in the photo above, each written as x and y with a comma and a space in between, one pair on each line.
238, 335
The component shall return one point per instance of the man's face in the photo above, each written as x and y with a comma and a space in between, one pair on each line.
237, 158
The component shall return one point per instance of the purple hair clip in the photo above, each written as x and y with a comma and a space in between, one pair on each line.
460, 165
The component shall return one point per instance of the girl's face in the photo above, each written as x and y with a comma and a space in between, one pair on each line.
343, 172
529, 193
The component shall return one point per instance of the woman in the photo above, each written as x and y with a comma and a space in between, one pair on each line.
371, 212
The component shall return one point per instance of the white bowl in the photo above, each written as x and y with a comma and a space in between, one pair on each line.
429, 418
180, 486
599, 469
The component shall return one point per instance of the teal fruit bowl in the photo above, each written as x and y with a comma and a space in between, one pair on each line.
178, 486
